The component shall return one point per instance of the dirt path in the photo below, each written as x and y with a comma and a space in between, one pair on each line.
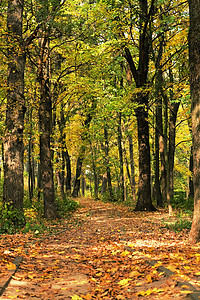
103, 253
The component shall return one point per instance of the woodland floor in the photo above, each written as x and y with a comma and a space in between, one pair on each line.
102, 252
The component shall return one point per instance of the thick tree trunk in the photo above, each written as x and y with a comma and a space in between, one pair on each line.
140, 75
13, 144
144, 201
194, 59
45, 119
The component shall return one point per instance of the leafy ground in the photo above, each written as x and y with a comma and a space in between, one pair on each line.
103, 252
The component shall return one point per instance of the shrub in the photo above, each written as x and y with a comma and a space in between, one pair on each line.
11, 219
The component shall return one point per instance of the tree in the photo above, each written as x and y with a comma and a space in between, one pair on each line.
13, 143
194, 60
45, 113
140, 75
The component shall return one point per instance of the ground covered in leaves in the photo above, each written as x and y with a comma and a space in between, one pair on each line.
102, 252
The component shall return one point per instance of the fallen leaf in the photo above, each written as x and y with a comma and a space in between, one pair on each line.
124, 282
10, 266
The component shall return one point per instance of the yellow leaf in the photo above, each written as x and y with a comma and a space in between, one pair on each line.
141, 293
149, 278
134, 274
31, 276
87, 297
11, 266
186, 292
76, 297
124, 282
149, 292
125, 253
197, 274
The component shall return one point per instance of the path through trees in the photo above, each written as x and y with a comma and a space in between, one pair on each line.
103, 252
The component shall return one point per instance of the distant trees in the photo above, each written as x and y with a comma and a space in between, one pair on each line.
105, 89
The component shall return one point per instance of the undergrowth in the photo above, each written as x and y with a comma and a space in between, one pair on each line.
180, 221
31, 220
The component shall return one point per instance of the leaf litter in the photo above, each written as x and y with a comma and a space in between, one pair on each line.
102, 253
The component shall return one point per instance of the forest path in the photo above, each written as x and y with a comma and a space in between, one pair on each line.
103, 253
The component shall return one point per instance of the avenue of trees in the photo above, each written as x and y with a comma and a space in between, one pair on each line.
95, 95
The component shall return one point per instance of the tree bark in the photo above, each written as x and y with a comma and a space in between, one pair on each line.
133, 184
121, 163
144, 186
194, 60
108, 171
45, 119
69, 172
159, 126
30, 158
140, 75
13, 190
80, 159
77, 180
96, 181
191, 184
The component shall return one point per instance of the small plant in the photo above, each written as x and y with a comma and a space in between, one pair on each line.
107, 198
66, 206
34, 227
180, 201
182, 222
11, 219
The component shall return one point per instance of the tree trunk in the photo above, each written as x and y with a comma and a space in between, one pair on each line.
171, 153
159, 125
140, 75
30, 158
194, 60
45, 119
104, 184
158, 194
106, 149
121, 163
69, 172
77, 180
83, 184
164, 150
13, 190
191, 184
80, 159
96, 181
144, 201
62, 149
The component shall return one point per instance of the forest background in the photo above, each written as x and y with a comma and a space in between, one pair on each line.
95, 98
